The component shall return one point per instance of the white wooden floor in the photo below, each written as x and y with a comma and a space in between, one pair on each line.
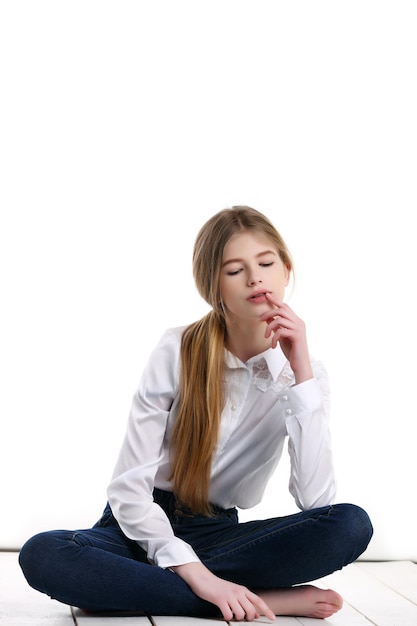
382, 594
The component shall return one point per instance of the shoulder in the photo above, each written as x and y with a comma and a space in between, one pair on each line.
169, 343
171, 337
163, 364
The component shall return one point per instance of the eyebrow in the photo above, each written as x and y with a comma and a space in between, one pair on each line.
261, 254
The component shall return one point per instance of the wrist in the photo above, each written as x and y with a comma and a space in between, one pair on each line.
191, 571
302, 372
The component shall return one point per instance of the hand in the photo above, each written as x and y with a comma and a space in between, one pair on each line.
289, 330
234, 601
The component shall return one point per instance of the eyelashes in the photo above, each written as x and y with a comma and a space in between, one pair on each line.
236, 272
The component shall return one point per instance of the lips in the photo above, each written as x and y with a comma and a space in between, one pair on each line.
258, 295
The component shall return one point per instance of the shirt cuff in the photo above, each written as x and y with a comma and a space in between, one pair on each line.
175, 552
302, 400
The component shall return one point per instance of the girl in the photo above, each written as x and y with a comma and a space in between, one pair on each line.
214, 406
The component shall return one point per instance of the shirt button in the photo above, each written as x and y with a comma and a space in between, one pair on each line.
285, 397
288, 411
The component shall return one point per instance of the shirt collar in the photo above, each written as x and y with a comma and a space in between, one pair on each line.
274, 358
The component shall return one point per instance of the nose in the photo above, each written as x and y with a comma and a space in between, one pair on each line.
253, 279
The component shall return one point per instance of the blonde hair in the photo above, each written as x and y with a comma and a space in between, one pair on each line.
201, 402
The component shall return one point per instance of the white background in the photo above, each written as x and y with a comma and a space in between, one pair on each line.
124, 126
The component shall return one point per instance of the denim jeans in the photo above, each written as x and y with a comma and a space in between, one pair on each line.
100, 569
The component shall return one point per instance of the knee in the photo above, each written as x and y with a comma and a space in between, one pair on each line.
34, 557
355, 528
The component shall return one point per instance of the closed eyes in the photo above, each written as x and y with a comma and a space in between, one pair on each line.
235, 272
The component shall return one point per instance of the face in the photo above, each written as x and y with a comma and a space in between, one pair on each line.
251, 267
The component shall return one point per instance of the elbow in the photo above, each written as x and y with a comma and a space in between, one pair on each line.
308, 498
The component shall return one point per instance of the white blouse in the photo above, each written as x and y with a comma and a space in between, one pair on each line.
263, 407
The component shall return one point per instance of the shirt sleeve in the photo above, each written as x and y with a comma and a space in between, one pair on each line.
312, 480
130, 492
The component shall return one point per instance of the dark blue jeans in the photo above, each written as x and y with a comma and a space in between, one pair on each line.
100, 569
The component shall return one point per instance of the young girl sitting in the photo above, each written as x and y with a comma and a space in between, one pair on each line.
215, 404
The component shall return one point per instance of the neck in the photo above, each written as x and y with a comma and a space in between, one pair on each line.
246, 341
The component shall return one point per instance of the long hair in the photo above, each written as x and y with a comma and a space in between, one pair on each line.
201, 402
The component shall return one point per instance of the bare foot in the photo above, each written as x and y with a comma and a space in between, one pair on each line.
303, 600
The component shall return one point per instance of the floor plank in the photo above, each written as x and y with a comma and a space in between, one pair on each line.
372, 598
167, 620
82, 619
398, 575
279, 621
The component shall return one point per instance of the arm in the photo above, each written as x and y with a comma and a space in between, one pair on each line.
130, 491
312, 481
